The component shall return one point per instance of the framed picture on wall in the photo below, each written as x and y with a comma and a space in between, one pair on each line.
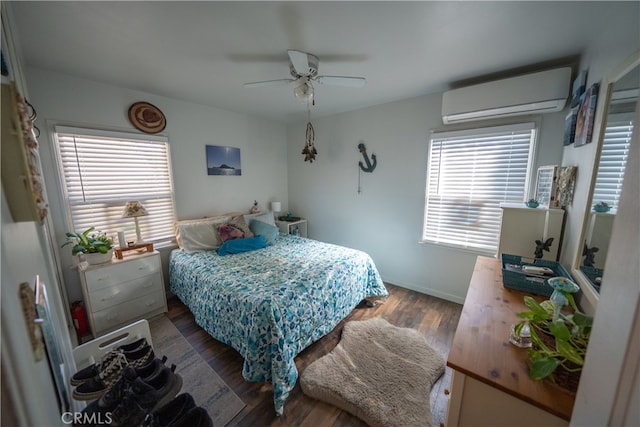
223, 160
586, 115
546, 181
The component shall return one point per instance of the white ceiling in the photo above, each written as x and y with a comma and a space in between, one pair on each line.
204, 51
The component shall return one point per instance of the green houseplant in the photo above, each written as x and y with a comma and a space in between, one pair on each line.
559, 339
91, 242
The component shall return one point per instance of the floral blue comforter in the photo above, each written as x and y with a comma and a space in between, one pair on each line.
270, 304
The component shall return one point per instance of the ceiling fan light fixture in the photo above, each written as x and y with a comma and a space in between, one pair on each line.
303, 92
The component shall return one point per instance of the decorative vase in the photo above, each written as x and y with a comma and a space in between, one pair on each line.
601, 208
98, 258
532, 204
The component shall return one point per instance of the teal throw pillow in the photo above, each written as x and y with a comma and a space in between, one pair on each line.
267, 231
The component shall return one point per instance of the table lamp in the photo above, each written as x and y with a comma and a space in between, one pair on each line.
134, 209
276, 207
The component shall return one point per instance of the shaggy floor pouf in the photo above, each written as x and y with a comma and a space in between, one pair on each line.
378, 372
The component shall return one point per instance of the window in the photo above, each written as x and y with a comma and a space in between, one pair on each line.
469, 173
102, 170
613, 160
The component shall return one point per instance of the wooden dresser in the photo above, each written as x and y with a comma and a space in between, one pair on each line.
490, 385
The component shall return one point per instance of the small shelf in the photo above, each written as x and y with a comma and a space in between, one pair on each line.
296, 228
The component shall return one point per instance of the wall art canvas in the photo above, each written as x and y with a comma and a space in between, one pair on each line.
578, 88
586, 115
566, 186
570, 126
223, 160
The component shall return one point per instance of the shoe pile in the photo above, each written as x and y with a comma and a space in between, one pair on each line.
95, 380
180, 412
132, 387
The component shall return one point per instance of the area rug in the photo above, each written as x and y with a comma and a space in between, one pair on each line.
378, 372
207, 388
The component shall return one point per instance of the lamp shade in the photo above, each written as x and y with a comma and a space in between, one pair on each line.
276, 206
133, 209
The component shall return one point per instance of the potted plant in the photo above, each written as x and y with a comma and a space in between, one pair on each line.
95, 246
559, 340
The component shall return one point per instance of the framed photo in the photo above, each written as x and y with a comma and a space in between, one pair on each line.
223, 160
546, 181
52, 343
586, 114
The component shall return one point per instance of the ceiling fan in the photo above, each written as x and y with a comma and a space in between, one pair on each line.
303, 67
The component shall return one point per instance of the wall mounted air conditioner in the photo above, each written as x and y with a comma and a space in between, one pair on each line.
541, 92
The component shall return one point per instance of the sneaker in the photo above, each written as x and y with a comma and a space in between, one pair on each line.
112, 398
171, 413
196, 417
95, 369
144, 397
100, 384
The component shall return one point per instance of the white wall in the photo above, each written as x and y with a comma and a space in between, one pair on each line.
386, 219
27, 385
610, 373
64, 99
599, 62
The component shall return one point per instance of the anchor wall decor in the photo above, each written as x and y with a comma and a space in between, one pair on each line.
370, 166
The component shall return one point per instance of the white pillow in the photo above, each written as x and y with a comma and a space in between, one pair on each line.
210, 219
199, 235
266, 217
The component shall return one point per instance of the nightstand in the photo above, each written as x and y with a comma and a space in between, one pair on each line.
297, 228
122, 291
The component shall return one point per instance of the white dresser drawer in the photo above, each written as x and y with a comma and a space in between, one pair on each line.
118, 294
113, 274
122, 291
129, 311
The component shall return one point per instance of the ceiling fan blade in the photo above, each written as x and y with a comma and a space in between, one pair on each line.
341, 81
255, 57
279, 82
300, 62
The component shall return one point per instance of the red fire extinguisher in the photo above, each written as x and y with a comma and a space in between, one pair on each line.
79, 317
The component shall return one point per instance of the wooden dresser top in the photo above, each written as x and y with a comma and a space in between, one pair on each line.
481, 347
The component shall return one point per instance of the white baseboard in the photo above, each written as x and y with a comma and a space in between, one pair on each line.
433, 292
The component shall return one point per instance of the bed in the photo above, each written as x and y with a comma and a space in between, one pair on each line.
270, 304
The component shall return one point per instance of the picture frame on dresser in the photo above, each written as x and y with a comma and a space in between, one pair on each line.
546, 181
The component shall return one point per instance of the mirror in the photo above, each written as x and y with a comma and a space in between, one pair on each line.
614, 140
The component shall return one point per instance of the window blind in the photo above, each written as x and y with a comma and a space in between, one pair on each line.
469, 174
103, 170
613, 161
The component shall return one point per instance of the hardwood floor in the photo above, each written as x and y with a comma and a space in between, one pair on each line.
435, 318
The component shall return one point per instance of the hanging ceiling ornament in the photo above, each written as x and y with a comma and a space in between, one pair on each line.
309, 149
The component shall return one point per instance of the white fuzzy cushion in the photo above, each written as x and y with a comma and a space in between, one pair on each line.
378, 372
